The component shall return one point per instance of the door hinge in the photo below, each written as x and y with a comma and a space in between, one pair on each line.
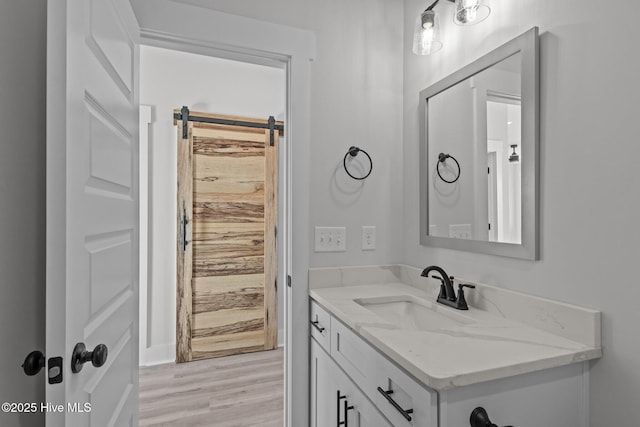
272, 125
489, 226
288, 281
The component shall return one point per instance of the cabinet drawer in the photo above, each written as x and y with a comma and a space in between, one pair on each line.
357, 358
320, 325
403, 393
371, 370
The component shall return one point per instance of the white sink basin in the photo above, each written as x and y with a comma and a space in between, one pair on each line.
405, 312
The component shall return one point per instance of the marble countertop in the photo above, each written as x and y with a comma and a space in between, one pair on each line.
484, 345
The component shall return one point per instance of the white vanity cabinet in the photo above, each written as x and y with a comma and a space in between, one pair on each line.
348, 361
382, 394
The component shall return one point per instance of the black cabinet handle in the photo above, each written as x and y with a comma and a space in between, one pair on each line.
347, 408
338, 399
404, 412
315, 325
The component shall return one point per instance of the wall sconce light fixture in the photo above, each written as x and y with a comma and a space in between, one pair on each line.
425, 36
514, 157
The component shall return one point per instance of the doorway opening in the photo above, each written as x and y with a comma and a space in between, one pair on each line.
505, 172
170, 79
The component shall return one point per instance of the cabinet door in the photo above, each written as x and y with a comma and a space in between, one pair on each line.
335, 400
323, 397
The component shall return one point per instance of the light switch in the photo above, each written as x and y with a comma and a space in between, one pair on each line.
330, 239
460, 231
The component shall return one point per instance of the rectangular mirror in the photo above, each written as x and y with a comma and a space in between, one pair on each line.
479, 154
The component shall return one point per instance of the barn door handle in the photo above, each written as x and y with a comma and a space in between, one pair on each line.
80, 356
185, 221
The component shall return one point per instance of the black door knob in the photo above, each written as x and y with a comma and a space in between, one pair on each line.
480, 418
33, 363
80, 356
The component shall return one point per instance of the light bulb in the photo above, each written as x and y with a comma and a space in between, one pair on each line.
469, 12
425, 40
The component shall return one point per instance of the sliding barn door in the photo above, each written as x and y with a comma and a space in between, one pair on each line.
227, 214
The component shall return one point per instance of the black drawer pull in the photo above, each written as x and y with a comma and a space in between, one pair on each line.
338, 399
404, 412
347, 408
315, 324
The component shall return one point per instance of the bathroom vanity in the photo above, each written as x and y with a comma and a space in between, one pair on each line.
383, 353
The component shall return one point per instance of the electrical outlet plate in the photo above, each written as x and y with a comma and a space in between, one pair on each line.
460, 231
330, 239
368, 237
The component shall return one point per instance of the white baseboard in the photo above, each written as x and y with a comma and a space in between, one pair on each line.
159, 354
280, 337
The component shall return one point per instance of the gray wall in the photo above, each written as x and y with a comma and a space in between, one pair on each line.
590, 179
356, 99
22, 201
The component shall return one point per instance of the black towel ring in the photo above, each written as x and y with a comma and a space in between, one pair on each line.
353, 151
441, 159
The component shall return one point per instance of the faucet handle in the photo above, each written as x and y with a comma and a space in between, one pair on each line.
461, 302
443, 291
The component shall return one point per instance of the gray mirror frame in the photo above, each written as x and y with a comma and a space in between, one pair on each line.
528, 44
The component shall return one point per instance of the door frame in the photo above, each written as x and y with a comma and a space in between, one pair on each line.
227, 36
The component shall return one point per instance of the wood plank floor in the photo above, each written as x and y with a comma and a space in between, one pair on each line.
241, 391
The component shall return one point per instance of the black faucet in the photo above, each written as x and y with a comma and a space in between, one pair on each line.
447, 294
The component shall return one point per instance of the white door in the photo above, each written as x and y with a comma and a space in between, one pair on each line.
92, 210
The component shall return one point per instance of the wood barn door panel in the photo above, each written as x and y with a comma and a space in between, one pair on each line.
239, 291
232, 238
226, 345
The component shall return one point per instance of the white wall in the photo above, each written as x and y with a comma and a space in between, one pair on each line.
22, 202
168, 80
356, 99
590, 180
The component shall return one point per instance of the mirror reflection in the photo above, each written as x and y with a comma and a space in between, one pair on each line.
474, 133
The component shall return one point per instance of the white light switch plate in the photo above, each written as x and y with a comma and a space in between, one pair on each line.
460, 231
330, 239
368, 237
